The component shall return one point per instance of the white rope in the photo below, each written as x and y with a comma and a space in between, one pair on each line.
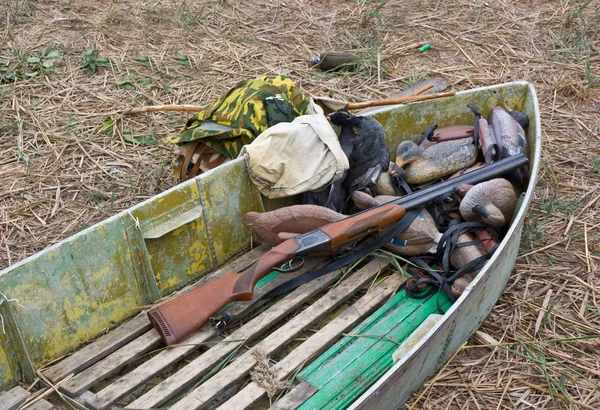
137, 220
8, 300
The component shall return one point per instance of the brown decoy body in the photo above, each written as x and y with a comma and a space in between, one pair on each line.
493, 202
420, 238
291, 220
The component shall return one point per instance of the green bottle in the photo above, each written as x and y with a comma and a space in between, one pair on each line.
331, 60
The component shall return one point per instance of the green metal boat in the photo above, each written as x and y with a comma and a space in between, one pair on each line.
74, 316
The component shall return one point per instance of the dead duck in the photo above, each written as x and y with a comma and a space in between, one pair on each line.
363, 141
289, 221
439, 160
492, 202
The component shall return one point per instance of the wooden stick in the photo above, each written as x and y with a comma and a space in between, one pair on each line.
411, 98
154, 108
349, 106
422, 90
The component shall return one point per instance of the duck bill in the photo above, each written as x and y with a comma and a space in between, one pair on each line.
400, 162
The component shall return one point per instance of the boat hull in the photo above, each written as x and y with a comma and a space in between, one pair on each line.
74, 290
442, 341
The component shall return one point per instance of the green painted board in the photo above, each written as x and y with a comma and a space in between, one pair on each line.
74, 291
398, 308
227, 195
6, 376
348, 372
179, 251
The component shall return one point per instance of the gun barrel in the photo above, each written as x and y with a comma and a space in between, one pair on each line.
434, 191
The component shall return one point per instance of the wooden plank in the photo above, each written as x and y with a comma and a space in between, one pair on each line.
112, 363
186, 376
99, 349
207, 392
367, 358
295, 397
318, 342
41, 405
140, 375
398, 308
122, 335
12, 399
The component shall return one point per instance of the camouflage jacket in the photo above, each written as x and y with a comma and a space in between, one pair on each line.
244, 112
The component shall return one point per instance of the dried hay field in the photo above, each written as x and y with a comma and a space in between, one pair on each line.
69, 159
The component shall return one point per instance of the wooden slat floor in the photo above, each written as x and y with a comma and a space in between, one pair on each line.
129, 367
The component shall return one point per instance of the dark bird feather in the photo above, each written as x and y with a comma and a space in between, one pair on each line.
363, 141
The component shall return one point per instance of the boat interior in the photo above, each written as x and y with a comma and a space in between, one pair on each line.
81, 330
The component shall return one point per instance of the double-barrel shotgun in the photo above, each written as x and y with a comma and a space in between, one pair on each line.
179, 317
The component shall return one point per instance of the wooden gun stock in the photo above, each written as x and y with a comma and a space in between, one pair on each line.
179, 317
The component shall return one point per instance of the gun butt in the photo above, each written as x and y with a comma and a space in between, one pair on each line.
178, 318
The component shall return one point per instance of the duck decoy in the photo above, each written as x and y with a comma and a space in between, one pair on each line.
460, 284
453, 132
291, 220
487, 241
508, 132
510, 137
439, 160
385, 184
519, 117
363, 141
484, 136
493, 202
465, 254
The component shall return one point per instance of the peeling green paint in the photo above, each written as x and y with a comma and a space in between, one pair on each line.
6, 376
73, 292
227, 195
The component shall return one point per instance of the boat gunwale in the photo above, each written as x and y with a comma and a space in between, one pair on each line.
534, 164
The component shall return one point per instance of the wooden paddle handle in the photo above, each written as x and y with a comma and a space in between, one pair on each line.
392, 101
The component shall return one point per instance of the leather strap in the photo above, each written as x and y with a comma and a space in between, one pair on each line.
204, 154
186, 161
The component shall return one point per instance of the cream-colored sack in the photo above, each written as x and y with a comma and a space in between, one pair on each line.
294, 157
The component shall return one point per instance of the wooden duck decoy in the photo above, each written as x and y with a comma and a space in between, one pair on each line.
493, 202
439, 160
293, 220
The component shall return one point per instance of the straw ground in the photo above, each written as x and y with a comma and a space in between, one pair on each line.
69, 160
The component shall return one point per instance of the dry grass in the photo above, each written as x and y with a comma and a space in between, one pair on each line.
63, 167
